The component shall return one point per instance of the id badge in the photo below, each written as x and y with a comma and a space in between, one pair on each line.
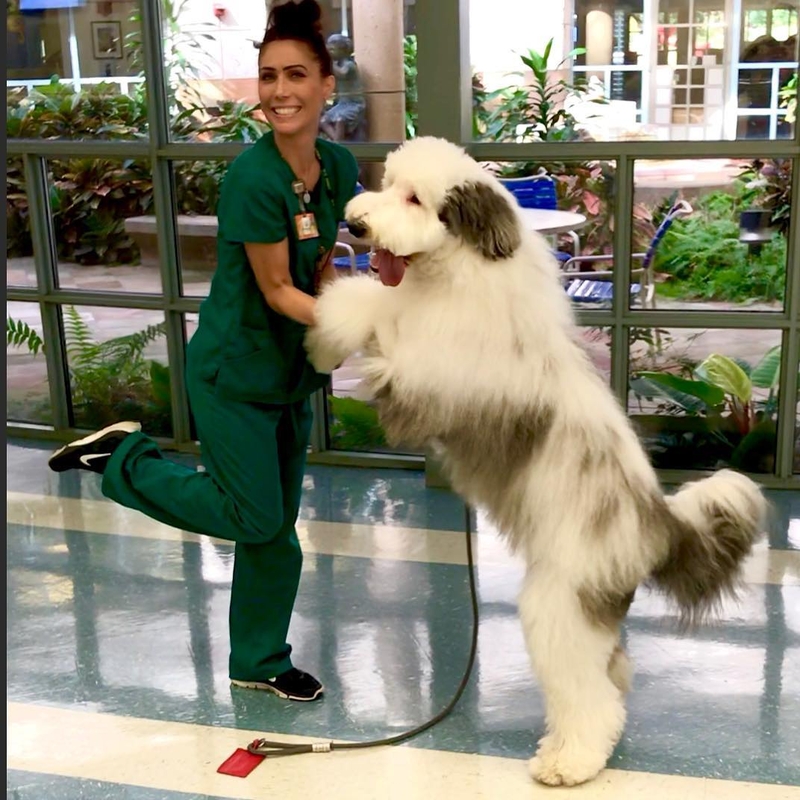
306, 226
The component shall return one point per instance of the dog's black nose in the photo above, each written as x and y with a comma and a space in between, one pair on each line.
357, 228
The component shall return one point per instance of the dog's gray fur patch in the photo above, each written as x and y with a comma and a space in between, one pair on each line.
482, 218
488, 443
606, 609
703, 562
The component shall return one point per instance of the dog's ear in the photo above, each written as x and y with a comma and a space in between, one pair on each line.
483, 218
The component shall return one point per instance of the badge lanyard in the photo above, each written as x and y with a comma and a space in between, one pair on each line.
305, 222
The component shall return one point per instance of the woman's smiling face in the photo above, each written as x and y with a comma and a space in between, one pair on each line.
291, 88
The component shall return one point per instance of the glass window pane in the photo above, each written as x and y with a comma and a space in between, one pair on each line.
28, 393
767, 72
701, 399
20, 269
118, 367
105, 234
211, 67
797, 434
607, 66
597, 343
725, 248
679, 7
212, 70
197, 186
75, 72
640, 88
190, 323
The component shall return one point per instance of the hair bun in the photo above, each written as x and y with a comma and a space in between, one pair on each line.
301, 18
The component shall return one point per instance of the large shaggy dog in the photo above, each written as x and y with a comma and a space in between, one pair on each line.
471, 349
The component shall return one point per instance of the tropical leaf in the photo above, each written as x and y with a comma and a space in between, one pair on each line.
767, 372
644, 387
711, 396
728, 375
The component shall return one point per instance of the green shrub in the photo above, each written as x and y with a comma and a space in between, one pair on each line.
704, 259
91, 198
410, 75
354, 425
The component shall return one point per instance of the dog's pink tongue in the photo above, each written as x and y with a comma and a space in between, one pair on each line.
390, 267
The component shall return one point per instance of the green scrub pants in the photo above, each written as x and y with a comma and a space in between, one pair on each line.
249, 494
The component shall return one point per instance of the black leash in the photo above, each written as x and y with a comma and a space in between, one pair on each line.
274, 749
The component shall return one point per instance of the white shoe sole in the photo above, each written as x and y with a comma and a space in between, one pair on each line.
268, 687
125, 427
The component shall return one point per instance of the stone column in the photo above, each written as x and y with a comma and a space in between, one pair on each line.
378, 50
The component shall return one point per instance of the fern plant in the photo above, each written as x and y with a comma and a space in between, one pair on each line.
110, 380
19, 333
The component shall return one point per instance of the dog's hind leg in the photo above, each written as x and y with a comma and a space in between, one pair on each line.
578, 665
620, 669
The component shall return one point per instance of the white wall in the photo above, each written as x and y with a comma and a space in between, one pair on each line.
499, 29
231, 55
90, 67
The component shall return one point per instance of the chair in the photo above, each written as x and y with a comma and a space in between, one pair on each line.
533, 191
351, 260
594, 286
539, 191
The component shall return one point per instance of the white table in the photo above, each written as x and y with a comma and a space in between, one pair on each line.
549, 222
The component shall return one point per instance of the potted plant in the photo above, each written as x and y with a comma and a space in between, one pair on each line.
713, 417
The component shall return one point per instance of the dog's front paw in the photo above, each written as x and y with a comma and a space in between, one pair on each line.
347, 312
324, 357
567, 765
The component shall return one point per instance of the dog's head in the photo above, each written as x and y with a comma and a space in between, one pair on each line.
433, 195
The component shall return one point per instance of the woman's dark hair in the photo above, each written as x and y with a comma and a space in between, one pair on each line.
299, 21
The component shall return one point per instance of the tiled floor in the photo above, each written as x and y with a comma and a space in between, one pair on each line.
117, 658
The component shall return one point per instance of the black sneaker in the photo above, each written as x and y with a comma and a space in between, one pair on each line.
93, 451
290, 685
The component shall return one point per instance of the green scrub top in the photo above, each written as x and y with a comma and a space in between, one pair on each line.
250, 352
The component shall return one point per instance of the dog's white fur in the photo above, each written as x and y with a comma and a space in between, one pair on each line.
476, 353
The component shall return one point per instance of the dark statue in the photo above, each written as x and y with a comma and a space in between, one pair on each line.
345, 119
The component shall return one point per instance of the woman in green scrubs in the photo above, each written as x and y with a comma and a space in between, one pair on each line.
247, 374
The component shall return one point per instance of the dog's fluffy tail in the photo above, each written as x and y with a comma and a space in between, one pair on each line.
714, 524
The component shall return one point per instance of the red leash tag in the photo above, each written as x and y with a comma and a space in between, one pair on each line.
240, 764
